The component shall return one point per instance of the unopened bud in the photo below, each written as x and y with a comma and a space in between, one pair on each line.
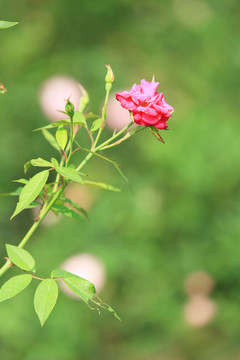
69, 107
109, 78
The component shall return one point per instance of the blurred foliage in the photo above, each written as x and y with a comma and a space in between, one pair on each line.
184, 212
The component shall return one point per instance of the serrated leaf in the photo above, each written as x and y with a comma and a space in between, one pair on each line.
20, 257
30, 191
79, 119
69, 174
66, 211
45, 299
14, 286
101, 185
7, 24
62, 137
96, 125
40, 162
50, 138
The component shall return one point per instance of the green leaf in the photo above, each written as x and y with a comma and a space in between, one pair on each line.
105, 306
66, 211
101, 185
62, 137
54, 125
20, 258
156, 134
69, 174
7, 24
26, 166
96, 125
45, 299
36, 162
54, 162
81, 287
120, 171
33, 205
21, 181
50, 138
14, 286
40, 162
16, 192
59, 273
31, 190
76, 206
60, 123
79, 119
91, 115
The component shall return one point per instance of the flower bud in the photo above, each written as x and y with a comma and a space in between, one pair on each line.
109, 78
69, 107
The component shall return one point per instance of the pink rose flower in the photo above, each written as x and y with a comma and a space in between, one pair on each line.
147, 106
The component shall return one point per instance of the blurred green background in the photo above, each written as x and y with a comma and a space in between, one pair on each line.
183, 213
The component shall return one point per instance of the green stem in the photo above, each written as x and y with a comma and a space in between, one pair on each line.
71, 141
33, 228
56, 195
104, 114
61, 164
100, 147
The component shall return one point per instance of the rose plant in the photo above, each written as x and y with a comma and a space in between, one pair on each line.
147, 109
